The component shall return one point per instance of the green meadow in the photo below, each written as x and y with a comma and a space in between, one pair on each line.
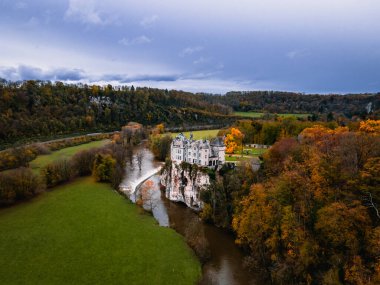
259, 115
197, 135
85, 233
65, 153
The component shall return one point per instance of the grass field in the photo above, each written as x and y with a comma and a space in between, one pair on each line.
197, 135
85, 233
65, 153
259, 115
252, 151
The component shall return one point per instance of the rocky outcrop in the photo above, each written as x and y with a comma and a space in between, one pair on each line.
184, 182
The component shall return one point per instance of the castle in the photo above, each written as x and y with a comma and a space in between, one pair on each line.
200, 152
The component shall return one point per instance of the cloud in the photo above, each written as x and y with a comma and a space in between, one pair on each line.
190, 50
201, 60
136, 41
87, 12
128, 79
20, 5
147, 22
296, 54
24, 72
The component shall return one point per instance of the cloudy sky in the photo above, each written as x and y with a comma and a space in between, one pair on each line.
195, 45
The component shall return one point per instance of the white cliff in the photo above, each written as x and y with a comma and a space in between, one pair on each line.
184, 182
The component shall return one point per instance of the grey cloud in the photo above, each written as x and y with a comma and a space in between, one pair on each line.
157, 78
89, 12
23, 72
190, 50
148, 21
135, 41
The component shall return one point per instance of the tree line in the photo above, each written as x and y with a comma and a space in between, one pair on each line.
268, 132
41, 109
361, 105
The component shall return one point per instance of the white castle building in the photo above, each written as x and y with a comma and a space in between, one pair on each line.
200, 152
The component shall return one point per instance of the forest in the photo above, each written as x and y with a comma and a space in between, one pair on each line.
348, 105
310, 215
36, 110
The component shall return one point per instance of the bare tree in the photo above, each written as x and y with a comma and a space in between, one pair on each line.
139, 157
129, 153
368, 201
147, 196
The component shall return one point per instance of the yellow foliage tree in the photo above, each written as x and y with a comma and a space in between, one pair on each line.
233, 140
370, 126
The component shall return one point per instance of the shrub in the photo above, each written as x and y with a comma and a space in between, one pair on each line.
104, 166
58, 172
83, 162
160, 146
18, 184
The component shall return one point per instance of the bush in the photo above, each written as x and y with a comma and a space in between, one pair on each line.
18, 184
160, 146
58, 172
103, 167
17, 157
83, 162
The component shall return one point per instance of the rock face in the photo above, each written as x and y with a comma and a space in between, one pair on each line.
184, 182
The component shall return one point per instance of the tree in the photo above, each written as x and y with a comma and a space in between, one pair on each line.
370, 126
58, 172
18, 184
234, 140
83, 162
139, 157
103, 167
147, 195
160, 146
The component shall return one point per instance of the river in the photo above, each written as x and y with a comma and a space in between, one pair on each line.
225, 266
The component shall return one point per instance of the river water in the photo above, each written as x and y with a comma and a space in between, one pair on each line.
225, 266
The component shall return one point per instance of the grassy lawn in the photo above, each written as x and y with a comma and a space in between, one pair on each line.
197, 135
43, 160
249, 114
85, 233
259, 115
253, 151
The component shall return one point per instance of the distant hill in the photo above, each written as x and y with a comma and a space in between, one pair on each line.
36, 109
289, 102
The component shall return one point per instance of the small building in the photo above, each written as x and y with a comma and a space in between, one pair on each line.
201, 152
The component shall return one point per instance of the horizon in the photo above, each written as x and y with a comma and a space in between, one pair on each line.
329, 47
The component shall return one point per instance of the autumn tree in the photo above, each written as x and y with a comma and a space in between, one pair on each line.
312, 218
234, 140
160, 146
147, 195
103, 167
370, 126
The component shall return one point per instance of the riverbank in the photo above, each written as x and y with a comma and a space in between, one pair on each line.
85, 233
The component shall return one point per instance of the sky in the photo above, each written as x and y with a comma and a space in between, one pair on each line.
214, 46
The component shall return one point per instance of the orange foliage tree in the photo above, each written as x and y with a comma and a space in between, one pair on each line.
370, 126
314, 217
233, 140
